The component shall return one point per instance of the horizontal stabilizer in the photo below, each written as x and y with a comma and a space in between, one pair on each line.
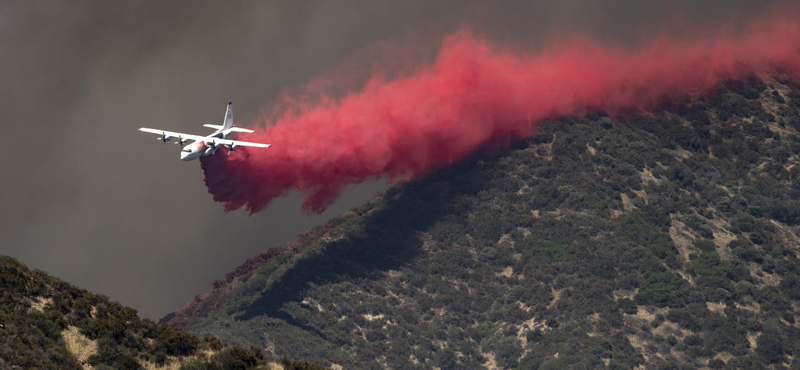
215, 127
239, 129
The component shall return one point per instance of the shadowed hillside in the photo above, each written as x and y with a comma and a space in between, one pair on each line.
656, 241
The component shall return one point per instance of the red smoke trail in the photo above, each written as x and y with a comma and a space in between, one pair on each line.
473, 96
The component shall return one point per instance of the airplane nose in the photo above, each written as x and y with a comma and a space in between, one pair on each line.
184, 155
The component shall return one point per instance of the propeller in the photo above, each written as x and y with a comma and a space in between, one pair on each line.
180, 142
212, 147
164, 138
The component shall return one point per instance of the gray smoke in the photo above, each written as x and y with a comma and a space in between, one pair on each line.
90, 200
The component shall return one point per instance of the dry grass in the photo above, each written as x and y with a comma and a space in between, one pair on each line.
637, 343
619, 294
716, 308
643, 317
685, 275
38, 303
507, 272
170, 365
174, 363
373, 317
491, 362
787, 235
670, 328
682, 238
752, 337
79, 345
647, 176
753, 307
722, 237
648, 314
505, 242
627, 204
724, 356
556, 297
763, 278
394, 274
307, 301
682, 153
531, 324
771, 279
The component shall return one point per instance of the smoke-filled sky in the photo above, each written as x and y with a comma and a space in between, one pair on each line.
89, 199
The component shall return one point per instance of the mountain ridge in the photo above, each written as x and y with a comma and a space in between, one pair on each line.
660, 240
46, 323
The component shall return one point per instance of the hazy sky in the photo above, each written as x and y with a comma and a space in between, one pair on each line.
90, 200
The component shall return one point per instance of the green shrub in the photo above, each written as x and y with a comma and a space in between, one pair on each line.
486, 329
635, 227
628, 306
790, 285
663, 289
771, 344
549, 250
195, 364
294, 365
178, 343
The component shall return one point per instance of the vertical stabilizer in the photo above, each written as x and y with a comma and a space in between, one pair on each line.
228, 123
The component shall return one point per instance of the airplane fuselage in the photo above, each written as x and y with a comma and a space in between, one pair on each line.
198, 148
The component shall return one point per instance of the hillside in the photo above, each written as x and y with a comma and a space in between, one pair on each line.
667, 240
46, 323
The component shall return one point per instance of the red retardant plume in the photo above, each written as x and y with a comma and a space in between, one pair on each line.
475, 95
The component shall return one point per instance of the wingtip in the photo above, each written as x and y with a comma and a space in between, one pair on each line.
230, 103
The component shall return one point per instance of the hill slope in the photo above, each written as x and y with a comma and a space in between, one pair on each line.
46, 323
666, 240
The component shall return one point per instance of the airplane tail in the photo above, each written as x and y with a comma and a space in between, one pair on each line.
228, 123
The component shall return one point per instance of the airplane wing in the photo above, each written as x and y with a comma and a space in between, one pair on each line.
205, 139
170, 134
234, 143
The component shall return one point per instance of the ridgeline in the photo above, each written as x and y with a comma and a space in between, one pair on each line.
48, 324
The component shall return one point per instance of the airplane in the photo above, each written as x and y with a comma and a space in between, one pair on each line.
207, 145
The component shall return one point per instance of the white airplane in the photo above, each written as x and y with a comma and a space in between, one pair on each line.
207, 145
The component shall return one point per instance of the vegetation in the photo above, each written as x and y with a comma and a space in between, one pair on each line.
46, 323
666, 240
